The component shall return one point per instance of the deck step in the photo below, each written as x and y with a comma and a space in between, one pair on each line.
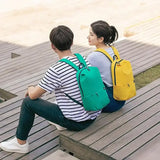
60, 155
120, 135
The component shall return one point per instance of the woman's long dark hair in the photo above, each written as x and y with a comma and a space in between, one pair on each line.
103, 29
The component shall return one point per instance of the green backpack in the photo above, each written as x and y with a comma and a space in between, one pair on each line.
92, 89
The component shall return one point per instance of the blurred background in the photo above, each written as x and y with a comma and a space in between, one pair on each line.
28, 22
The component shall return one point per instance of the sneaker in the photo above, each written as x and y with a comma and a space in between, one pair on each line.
13, 146
60, 128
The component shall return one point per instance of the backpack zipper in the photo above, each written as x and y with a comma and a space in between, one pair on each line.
115, 70
79, 80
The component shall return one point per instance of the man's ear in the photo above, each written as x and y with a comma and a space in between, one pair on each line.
53, 47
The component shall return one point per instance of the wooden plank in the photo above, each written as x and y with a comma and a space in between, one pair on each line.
139, 51
35, 57
130, 135
81, 151
42, 134
17, 99
4, 109
125, 128
138, 142
143, 52
9, 119
24, 81
42, 51
34, 54
24, 70
12, 126
128, 43
118, 122
149, 151
149, 59
6, 49
26, 63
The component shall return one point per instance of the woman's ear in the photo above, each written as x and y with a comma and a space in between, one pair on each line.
101, 39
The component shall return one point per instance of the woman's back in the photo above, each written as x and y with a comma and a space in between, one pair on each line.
100, 61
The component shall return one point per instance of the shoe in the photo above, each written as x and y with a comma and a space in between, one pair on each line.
13, 146
60, 128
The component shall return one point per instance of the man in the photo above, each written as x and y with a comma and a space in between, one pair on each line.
60, 78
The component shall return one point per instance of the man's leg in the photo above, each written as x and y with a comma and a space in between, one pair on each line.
43, 108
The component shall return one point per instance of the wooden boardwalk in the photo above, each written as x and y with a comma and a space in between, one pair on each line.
7, 49
125, 134
43, 137
143, 50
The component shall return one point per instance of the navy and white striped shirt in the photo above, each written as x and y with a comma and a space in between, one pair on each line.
61, 78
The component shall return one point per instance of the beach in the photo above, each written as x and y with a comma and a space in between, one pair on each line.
28, 23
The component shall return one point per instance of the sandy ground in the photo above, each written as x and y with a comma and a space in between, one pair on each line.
29, 22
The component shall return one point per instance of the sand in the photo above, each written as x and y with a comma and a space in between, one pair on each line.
29, 22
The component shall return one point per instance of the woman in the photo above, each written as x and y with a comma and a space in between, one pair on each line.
102, 35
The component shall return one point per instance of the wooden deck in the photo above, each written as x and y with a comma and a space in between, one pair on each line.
143, 50
43, 137
6, 50
125, 134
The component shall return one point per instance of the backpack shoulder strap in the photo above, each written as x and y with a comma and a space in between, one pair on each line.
115, 51
70, 63
81, 59
105, 53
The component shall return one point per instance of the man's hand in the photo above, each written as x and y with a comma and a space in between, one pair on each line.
34, 92
27, 94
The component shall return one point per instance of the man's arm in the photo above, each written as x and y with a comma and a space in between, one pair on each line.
35, 92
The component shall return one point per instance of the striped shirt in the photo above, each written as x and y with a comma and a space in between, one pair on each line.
61, 78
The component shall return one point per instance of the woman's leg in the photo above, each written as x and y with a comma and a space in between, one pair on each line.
114, 105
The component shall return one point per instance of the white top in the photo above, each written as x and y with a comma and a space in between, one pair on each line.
100, 61
61, 78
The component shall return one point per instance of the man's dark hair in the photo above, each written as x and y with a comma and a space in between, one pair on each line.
61, 37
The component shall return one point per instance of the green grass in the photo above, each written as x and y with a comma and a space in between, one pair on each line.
147, 76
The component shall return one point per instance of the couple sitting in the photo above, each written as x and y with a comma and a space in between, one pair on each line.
61, 78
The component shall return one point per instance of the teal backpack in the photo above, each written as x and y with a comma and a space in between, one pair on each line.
92, 89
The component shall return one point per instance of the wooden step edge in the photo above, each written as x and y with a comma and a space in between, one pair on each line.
60, 155
80, 150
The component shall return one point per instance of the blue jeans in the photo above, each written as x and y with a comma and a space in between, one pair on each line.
114, 105
47, 110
